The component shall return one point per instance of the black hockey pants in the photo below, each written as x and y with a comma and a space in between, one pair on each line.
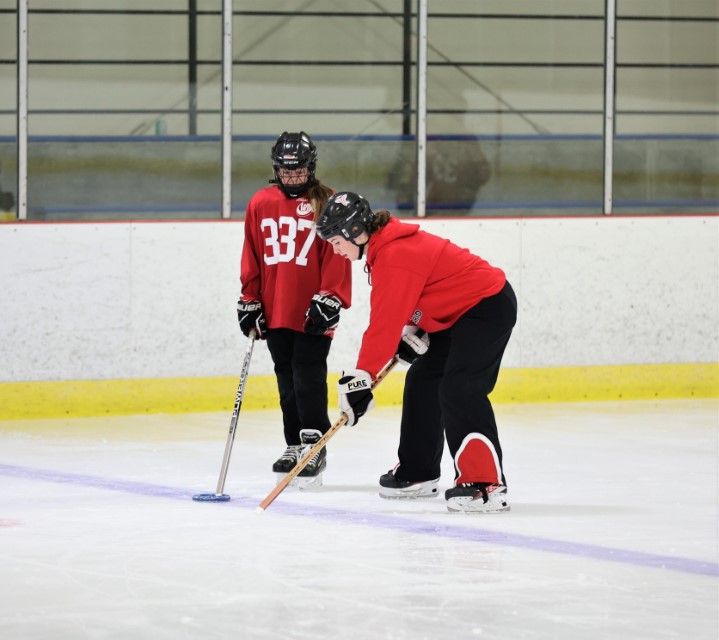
301, 369
446, 389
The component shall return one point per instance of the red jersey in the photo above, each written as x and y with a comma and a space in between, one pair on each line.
284, 263
418, 278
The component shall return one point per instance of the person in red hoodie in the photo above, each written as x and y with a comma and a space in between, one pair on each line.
293, 287
449, 314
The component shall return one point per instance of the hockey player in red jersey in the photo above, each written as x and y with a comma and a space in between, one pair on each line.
449, 314
293, 287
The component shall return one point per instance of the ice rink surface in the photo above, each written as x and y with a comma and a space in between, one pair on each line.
613, 532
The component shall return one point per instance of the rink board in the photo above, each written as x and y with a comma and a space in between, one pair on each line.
29, 400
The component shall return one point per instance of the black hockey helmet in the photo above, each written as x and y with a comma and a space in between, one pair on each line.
346, 214
294, 151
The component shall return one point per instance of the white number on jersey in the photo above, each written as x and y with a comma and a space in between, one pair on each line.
281, 239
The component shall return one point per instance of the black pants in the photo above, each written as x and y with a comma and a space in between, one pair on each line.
446, 389
301, 369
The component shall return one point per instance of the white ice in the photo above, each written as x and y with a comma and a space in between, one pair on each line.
613, 532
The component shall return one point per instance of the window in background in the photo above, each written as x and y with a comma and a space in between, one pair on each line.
667, 101
8, 110
332, 68
515, 97
125, 104
111, 110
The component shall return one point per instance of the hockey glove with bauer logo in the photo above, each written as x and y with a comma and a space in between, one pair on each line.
250, 315
323, 316
355, 394
414, 343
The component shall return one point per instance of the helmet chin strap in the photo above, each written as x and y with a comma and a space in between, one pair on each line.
361, 248
291, 191
295, 190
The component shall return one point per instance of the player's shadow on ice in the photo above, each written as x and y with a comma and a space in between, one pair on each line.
519, 507
554, 510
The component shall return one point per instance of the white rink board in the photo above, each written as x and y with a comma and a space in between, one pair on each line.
157, 299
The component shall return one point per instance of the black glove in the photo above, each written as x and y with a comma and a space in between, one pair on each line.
250, 315
414, 343
323, 316
355, 393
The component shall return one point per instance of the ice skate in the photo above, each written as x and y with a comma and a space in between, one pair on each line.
311, 476
287, 461
477, 497
393, 489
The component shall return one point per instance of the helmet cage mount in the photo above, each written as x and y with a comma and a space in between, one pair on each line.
294, 151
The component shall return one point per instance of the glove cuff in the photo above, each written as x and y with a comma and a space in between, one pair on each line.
359, 374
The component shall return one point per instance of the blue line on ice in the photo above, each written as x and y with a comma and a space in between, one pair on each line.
407, 525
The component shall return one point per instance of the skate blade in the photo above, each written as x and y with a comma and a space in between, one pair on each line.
417, 491
309, 483
468, 505
279, 477
300, 483
410, 495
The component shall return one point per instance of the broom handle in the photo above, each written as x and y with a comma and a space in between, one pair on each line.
302, 463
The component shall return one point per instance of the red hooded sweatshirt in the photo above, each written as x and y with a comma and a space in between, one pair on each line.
422, 279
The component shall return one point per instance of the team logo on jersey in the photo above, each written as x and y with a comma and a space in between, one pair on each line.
304, 209
416, 316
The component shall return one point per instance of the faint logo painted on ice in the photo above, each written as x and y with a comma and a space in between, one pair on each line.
304, 209
10, 523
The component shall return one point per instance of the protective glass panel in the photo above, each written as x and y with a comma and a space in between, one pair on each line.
113, 110
515, 108
667, 101
8, 110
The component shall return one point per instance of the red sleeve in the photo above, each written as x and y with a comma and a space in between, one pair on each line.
250, 273
394, 297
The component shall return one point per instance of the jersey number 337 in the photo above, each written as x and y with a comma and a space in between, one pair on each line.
283, 237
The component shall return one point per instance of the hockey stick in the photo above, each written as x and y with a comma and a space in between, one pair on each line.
220, 495
302, 463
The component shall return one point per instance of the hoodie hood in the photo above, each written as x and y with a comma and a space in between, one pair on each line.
391, 231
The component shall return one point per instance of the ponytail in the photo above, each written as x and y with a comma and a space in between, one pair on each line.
318, 194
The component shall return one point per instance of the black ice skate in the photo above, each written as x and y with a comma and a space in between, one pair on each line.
288, 460
393, 489
311, 475
477, 497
